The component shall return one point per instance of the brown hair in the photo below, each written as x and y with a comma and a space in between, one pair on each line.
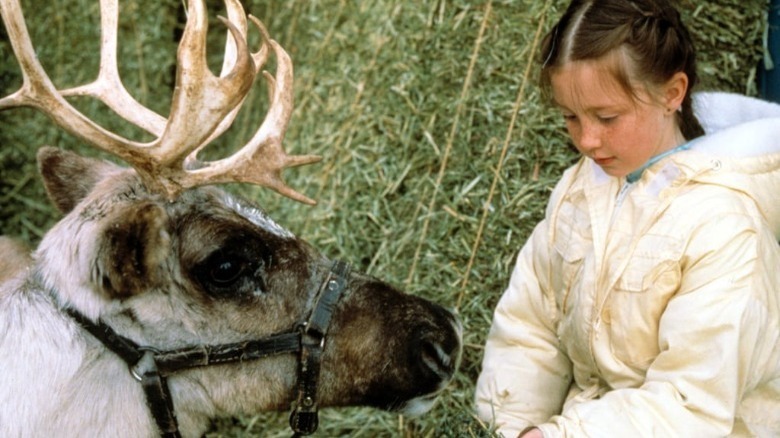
651, 34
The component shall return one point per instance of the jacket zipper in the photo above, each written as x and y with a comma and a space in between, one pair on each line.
621, 197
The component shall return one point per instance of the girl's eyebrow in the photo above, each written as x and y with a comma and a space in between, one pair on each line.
559, 105
599, 108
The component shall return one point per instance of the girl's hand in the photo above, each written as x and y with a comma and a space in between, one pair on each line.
533, 433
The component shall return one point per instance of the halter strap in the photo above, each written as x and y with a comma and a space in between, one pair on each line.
304, 419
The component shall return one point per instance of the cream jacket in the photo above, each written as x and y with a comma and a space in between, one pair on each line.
648, 309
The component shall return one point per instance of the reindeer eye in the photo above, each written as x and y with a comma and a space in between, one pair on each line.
230, 272
226, 271
222, 270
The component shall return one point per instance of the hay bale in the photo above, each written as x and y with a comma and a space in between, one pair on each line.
728, 34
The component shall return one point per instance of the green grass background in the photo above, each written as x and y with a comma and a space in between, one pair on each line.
439, 152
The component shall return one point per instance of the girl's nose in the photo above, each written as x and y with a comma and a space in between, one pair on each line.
590, 137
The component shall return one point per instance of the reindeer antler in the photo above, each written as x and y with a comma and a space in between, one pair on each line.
203, 105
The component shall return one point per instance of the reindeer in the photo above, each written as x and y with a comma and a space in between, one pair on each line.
160, 302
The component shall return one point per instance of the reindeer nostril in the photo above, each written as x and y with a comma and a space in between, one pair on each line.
435, 359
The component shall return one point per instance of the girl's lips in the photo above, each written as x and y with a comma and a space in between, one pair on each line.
603, 161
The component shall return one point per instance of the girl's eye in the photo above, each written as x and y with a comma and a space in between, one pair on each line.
607, 119
569, 117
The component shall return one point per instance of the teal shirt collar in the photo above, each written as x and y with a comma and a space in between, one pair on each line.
635, 175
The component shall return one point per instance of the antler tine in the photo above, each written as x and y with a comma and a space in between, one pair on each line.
262, 55
259, 58
202, 100
38, 91
236, 16
262, 159
108, 86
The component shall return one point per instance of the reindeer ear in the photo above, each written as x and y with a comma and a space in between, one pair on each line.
69, 177
132, 250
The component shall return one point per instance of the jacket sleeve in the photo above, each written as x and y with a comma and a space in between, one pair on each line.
525, 376
715, 339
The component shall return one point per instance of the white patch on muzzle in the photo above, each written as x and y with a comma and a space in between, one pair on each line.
419, 405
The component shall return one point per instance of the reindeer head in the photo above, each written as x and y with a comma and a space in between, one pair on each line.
163, 260
210, 268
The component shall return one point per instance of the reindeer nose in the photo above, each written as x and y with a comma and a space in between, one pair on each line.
438, 350
435, 359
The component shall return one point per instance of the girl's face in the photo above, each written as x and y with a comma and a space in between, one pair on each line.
618, 132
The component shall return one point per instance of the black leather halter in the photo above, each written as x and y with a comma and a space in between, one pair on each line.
151, 366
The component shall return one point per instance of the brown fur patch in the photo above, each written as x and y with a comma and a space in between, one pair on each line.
132, 248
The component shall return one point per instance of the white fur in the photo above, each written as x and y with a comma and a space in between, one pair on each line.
256, 216
747, 139
719, 110
69, 261
54, 385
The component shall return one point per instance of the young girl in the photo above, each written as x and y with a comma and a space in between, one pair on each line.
647, 302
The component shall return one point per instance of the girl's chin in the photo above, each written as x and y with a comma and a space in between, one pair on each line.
610, 167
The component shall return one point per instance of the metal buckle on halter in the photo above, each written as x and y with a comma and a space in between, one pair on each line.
145, 365
304, 418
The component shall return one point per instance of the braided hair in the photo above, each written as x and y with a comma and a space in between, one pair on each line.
655, 43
